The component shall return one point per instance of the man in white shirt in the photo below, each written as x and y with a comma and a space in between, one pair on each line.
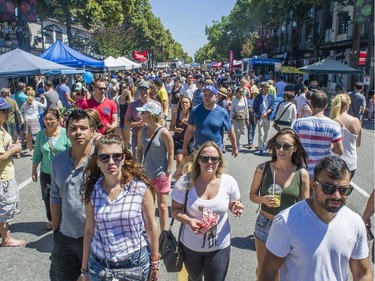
319, 238
189, 87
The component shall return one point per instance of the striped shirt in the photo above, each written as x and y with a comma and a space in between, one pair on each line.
119, 225
317, 135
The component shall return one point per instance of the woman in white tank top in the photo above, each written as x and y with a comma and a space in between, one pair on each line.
350, 129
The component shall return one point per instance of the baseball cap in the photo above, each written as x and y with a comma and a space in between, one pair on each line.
211, 88
78, 86
4, 104
144, 84
150, 107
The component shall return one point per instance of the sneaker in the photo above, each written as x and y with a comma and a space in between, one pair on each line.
49, 225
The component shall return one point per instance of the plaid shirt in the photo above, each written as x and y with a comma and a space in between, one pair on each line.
119, 225
197, 97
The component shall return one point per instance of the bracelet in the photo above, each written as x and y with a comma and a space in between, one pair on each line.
155, 258
84, 271
155, 266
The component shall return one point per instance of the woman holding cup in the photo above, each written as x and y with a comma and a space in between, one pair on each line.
278, 184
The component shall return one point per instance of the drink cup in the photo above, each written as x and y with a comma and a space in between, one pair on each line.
275, 191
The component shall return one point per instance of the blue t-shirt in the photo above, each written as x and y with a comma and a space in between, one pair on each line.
20, 98
209, 124
61, 90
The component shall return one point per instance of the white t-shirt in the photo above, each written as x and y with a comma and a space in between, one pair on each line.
314, 250
188, 91
217, 237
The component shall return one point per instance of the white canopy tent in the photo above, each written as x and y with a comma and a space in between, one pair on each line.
132, 64
114, 64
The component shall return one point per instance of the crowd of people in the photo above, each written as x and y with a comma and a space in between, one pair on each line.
103, 153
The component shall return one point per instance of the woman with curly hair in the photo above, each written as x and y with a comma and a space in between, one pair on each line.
211, 194
286, 170
121, 233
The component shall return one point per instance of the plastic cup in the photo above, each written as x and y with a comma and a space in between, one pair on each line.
275, 191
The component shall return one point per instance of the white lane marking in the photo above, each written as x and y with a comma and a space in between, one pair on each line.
24, 183
360, 190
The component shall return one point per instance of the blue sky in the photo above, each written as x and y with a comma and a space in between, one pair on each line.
187, 19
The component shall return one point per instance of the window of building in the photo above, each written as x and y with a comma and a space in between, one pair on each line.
343, 22
48, 37
59, 35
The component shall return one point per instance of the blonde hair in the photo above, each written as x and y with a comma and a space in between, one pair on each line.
5, 92
339, 104
31, 96
193, 168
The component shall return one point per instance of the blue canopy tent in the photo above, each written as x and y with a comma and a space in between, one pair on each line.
62, 54
20, 63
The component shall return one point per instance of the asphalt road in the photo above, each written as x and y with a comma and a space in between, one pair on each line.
31, 263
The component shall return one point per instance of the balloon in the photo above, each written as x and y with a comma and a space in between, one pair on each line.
88, 77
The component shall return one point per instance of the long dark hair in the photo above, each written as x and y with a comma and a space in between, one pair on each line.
299, 157
130, 170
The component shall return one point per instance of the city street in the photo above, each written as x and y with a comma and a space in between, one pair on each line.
31, 263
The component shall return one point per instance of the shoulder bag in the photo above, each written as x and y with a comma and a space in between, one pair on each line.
150, 142
169, 247
279, 122
18, 117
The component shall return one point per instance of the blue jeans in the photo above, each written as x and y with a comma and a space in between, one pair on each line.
98, 266
251, 132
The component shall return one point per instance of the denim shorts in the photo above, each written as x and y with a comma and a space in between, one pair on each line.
98, 266
262, 227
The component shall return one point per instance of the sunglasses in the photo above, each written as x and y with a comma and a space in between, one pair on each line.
331, 189
205, 159
142, 89
101, 88
285, 146
116, 157
5, 110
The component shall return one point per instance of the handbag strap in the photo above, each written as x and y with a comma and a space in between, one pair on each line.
284, 111
149, 144
182, 225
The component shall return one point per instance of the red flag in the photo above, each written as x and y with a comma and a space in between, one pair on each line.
140, 57
362, 57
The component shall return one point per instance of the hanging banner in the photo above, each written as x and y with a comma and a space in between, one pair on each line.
230, 60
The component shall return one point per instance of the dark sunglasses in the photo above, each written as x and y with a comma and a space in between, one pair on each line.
285, 146
4, 110
330, 189
101, 88
205, 159
116, 157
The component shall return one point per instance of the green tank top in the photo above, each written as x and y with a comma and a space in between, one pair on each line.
289, 195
